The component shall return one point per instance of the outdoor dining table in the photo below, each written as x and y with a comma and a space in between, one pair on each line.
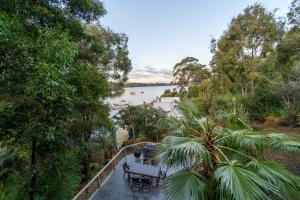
144, 170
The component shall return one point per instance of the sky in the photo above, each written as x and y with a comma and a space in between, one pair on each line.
162, 32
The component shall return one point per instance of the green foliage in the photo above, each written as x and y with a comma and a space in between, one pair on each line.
186, 180
169, 93
224, 159
288, 51
289, 95
254, 62
194, 91
242, 49
189, 71
220, 104
255, 69
55, 68
141, 120
294, 13
225, 103
260, 104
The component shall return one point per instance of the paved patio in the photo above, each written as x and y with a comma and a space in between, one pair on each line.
116, 187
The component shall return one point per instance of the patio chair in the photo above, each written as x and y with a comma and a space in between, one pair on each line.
135, 182
162, 174
146, 183
125, 168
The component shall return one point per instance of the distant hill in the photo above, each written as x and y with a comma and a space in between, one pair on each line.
146, 84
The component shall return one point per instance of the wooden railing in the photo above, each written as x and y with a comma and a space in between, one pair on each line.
98, 179
138, 140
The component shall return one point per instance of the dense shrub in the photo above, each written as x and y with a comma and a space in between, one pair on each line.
169, 93
260, 104
194, 91
213, 105
141, 120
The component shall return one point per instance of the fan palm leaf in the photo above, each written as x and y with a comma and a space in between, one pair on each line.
188, 109
287, 183
229, 151
186, 184
232, 121
242, 184
280, 142
182, 151
245, 140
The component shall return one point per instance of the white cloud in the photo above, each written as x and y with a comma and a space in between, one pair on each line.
150, 74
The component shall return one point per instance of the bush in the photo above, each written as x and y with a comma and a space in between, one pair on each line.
219, 103
143, 119
224, 103
261, 103
194, 91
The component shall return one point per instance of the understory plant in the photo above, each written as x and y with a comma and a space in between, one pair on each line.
221, 157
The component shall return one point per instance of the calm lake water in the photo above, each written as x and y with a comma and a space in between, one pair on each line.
139, 95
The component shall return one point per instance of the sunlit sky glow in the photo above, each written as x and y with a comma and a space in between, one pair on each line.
162, 32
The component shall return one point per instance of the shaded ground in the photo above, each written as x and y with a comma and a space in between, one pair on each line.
291, 161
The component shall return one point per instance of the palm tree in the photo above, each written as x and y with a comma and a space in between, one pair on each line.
223, 158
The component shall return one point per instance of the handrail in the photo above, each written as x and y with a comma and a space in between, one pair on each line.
84, 189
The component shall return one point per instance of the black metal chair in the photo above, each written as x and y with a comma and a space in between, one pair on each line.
162, 174
146, 183
135, 182
125, 168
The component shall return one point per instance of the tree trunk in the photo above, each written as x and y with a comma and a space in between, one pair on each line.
85, 168
213, 152
33, 169
85, 161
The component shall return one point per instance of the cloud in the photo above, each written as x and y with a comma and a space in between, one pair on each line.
150, 74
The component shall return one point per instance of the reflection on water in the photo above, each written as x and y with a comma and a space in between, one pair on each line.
140, 95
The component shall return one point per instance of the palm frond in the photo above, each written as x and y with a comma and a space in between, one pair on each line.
188, 109
242, 184
245, 140
287, 183
181, 151
174, 126
274, 172
204, 124
282, 143
170, 122
185, 184
232, 121
255, 142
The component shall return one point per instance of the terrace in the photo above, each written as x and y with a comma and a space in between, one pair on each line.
109, 183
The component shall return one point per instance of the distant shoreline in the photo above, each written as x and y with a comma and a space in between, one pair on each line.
147, 84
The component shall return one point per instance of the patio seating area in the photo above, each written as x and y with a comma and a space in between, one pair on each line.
132, 179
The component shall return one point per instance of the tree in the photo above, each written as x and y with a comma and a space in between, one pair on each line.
169, 93
223, 158
189, 71
294, 13
288, 50
55, 68
141, 120
289, 95
243, 48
